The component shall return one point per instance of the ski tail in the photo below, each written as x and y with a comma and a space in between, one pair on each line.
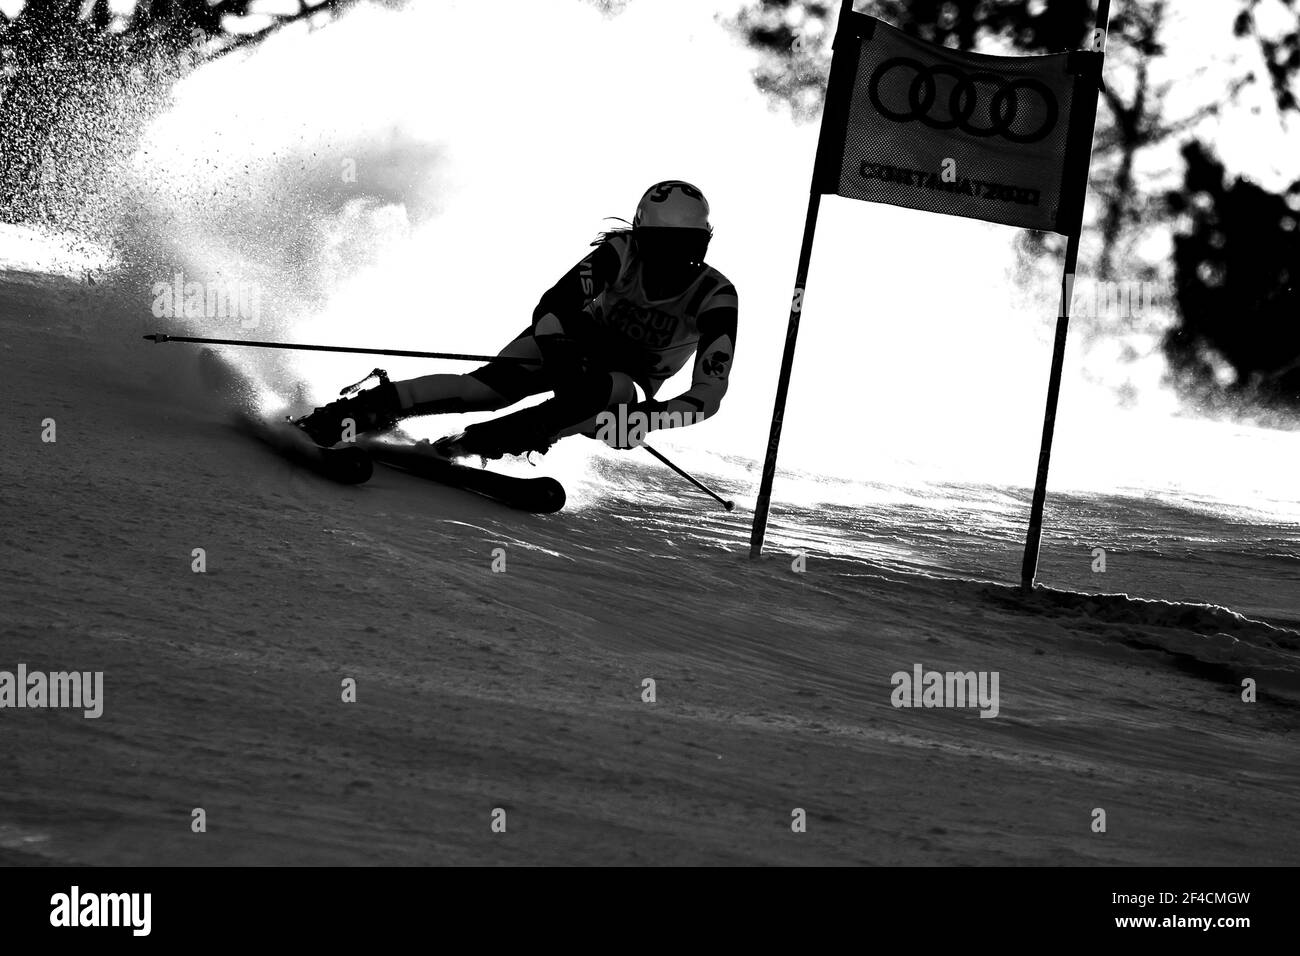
537, 495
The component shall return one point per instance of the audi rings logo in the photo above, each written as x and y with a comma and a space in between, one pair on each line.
1003, 109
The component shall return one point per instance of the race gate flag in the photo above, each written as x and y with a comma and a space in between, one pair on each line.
1003, 139
913, 124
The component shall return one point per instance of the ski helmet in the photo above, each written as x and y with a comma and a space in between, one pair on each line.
672, 204
671, 226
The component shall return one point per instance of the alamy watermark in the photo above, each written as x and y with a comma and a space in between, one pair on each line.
624, 429
1106, 299
214, 299
75, 908
922, 688
62, 689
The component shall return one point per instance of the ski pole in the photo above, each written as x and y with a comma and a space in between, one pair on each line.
726, 503
159, 337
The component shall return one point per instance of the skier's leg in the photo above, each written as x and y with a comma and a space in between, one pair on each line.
574, 409
493, 386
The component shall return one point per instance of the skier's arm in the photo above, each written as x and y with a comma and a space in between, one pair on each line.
713, 356
557, 320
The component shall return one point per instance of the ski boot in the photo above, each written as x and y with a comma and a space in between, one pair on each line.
517, 434
374, 410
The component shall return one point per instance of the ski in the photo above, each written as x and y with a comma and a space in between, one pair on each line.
538, 495
346, 464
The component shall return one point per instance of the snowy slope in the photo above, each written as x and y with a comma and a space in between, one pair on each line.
522, 690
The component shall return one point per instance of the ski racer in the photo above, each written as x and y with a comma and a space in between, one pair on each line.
628, 316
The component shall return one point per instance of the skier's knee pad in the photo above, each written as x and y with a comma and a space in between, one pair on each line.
585, 394
602, 390
583, 398
622, 390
